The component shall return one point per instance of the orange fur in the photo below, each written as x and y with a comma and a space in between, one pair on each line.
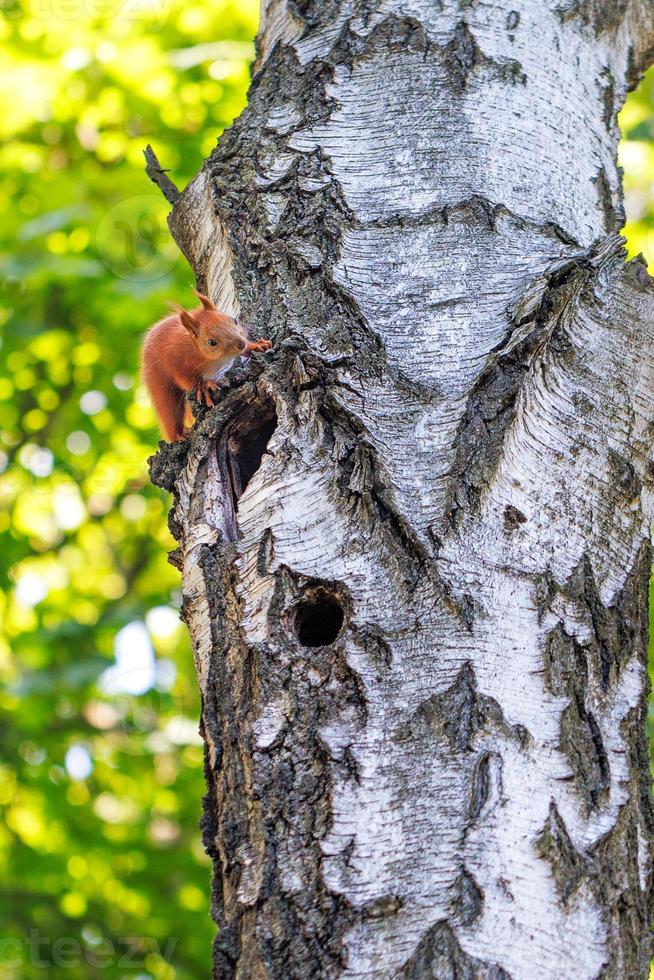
186, 351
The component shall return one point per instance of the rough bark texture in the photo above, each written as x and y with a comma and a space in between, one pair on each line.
415, 539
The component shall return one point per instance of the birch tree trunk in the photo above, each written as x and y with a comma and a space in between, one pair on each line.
415, 540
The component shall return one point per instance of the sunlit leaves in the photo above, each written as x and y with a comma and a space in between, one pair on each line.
637, 160
102, 779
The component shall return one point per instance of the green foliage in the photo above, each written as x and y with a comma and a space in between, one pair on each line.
637, 159
102, 870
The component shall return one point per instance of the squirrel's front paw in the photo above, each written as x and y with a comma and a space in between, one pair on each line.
205, 392
260, 345
210, 388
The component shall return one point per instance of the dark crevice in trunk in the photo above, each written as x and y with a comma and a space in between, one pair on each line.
537, 325
440, 955
245, 440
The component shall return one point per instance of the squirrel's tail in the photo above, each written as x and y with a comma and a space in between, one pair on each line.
169, 403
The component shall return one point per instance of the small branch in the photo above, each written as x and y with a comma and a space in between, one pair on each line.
159, 176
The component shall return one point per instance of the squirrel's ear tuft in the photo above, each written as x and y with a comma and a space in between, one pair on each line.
206, 302
187, 319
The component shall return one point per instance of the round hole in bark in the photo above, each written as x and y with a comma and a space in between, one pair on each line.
318, 618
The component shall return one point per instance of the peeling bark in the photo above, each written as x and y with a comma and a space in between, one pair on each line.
414, 539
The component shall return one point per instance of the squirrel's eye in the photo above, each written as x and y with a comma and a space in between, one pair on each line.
212, 342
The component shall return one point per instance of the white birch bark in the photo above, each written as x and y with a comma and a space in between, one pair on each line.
420, 208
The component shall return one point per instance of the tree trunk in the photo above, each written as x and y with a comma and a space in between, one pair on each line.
415, 540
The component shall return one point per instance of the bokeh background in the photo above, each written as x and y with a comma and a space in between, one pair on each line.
102, 873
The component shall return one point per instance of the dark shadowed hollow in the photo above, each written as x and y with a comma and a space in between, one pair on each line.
318, 618
246, 444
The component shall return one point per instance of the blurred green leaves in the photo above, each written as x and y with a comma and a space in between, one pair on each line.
637, 160
103, 873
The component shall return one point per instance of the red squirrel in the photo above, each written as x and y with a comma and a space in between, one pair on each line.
188, 351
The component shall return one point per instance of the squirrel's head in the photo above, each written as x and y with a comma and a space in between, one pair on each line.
216, 335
